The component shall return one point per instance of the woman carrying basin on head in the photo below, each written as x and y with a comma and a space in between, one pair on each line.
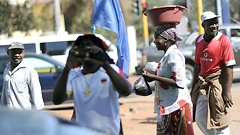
174, 107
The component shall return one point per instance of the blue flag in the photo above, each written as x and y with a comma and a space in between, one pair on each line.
108, 15
225, 12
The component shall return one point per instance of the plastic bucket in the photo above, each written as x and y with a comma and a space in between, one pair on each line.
165, 14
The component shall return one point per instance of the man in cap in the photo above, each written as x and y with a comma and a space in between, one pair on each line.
213, 75
95, 85
21, 86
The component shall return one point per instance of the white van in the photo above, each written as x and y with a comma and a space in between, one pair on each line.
56, 46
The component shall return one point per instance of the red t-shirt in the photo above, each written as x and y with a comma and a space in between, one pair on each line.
214, 54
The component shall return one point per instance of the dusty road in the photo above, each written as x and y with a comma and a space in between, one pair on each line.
138, 117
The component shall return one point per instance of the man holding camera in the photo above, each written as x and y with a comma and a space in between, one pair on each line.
95, 85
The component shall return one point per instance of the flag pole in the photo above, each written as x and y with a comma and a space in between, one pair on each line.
93, 29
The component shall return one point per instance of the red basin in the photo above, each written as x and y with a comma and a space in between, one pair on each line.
165, 14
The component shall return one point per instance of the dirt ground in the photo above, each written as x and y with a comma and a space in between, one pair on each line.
138, 117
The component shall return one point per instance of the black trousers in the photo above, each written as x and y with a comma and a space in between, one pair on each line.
121, 129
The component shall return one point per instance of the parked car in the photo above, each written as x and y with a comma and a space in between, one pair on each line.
48, 70
187, 47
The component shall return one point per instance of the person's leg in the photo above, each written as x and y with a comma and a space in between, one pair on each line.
73, 118
159, 124
121, 129
201, 115
223, 131
189, 120
178, 122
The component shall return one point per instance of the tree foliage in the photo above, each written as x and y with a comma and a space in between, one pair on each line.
78, 15
16, 18
235, 11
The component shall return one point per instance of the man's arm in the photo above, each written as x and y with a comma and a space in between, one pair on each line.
123, 87
36, 91
60, 89
60, 92
226, 81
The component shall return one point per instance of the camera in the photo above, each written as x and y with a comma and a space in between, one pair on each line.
87, 53
82, 53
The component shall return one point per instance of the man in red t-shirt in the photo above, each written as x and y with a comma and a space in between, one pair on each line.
213, 75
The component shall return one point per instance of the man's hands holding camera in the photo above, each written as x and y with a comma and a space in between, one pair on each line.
92, 54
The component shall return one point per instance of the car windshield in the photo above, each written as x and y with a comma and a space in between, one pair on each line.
41, 65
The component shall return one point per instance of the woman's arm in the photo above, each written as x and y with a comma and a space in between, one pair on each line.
168, 81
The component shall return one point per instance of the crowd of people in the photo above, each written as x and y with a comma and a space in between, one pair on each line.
94, 81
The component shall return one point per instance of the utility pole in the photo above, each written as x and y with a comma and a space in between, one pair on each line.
219, 11
145, 23
57, 13
199, 13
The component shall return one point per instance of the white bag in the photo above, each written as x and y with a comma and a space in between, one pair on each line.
151, 67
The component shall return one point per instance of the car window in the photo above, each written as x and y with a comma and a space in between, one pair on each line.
235, 35
41, 66
235, 32
3, 49
224, 31
30, 47
55, 48
151, 49
3, 63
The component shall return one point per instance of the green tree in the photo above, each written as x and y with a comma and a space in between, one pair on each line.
16, 18
78, 17
5, 10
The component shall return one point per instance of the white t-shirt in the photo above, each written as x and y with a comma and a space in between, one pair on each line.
172, 65
95, 100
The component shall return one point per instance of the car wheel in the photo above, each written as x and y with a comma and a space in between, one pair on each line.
189, 75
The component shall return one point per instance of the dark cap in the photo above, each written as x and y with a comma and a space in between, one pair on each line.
16, 45
99, 42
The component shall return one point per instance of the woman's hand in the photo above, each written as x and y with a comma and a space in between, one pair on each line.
148, 77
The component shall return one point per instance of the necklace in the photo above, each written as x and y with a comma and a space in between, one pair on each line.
88, 80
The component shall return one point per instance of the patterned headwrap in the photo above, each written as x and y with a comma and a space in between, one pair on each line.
168, 31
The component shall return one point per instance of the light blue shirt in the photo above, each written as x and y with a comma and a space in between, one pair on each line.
21, 88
